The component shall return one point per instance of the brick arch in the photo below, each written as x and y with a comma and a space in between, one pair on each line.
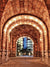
25, 30
35, 10
25, 36
14, 7
34, 42
28, 34
34, 24
34, 7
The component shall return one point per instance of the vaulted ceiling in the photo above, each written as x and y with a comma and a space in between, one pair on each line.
26, 30
3, 3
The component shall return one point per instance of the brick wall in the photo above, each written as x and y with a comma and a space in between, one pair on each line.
35, 7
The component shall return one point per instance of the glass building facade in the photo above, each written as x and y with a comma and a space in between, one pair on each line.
25, 47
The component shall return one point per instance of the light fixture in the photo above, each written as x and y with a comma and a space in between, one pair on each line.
41, 39
31, 18
14, 19
40, 31
38, 28
34, 25
16, 24
40, 22
25, 17
36, 20
5, 30
12, 27
10, 30
6, 25
10, 22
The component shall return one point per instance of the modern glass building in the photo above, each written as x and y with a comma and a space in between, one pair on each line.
24, 47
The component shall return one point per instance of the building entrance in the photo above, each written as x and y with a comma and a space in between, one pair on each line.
24, 47
32, 27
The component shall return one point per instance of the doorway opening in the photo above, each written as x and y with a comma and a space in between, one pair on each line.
24, 47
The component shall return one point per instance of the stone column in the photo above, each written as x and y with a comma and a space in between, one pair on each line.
11, 43
14, 44
46, 49
3, 52
41, 44
8, 43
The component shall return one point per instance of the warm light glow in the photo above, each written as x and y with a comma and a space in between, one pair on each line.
31, 18
10, 22
14, 19
36, 20
9, 30
41, 31
34, 25
29, 23
5, 30
41, 39
45, 31
25, 17
16, 42
44, 27
16, 24
40, 22
6, 25
25, 22
38, 28
20, 23
19, 17
12, 27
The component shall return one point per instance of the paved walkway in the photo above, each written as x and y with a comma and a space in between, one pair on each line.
24, 63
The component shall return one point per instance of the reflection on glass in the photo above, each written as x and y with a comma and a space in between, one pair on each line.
24, 47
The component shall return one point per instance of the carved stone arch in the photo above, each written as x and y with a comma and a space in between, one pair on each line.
35, 38
37, 23
13, 7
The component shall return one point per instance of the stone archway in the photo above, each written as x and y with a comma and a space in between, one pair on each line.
25, 50
26, 30
35, 22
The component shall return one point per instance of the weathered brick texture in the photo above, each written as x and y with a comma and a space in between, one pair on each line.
33, 7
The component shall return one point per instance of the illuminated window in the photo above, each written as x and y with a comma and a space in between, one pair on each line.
24, 47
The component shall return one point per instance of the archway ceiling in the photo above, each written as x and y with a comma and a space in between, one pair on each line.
4, 2
25, 30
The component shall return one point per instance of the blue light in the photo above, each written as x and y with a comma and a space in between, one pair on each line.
24, 43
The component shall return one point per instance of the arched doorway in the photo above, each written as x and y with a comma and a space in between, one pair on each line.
18, 32
30, 20
24, 47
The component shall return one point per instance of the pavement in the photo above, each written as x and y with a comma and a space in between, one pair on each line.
17, 62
